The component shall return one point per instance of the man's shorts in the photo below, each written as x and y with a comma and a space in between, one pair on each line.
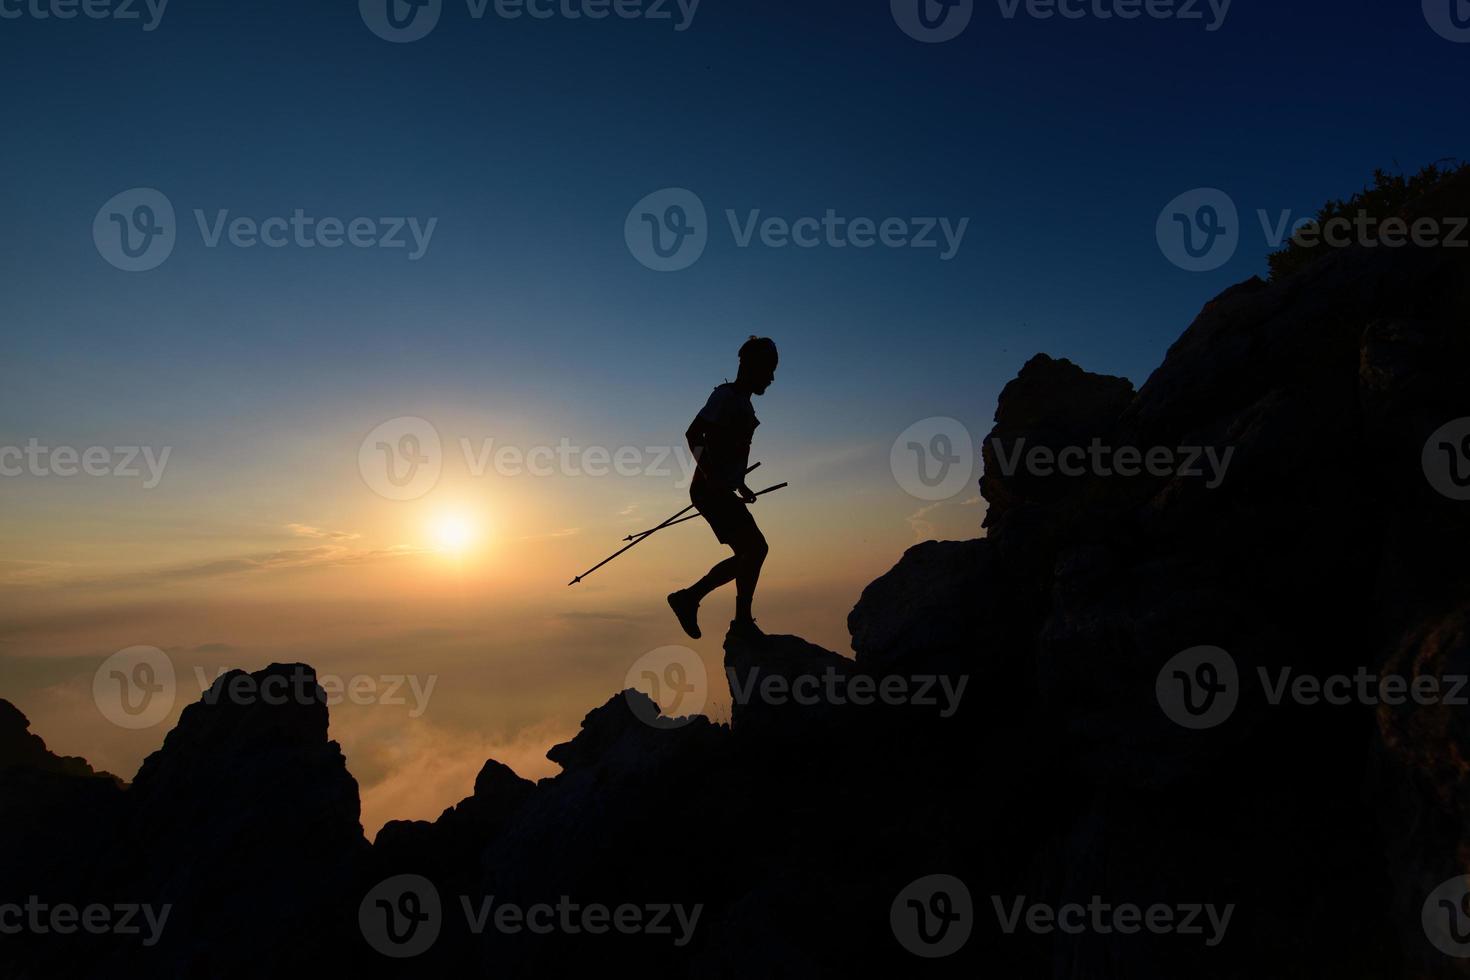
727, 516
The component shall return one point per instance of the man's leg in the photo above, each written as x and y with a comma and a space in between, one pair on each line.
685, 602
738, 529
724, 572
750, 555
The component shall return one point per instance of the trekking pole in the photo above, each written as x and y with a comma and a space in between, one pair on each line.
681, 520
674, 519
643, 536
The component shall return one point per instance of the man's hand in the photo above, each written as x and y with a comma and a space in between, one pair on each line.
746, 496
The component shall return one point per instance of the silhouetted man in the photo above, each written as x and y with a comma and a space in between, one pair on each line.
719, 437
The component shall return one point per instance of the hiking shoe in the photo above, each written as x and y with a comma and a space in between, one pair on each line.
686, 607
745, 629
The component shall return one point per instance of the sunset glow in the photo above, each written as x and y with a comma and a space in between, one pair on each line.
455, 533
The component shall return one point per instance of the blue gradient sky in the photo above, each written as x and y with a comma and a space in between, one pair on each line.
530, 141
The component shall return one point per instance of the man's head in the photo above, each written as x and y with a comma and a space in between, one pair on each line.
758, 360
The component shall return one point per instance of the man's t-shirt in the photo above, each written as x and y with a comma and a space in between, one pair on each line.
730, 409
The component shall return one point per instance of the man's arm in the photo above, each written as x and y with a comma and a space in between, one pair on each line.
697, 438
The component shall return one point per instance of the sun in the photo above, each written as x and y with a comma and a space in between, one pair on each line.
454, 533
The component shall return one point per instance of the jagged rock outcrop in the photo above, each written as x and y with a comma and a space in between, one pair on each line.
22, 748
56, 821
243, 826
1321, 551
783, 687
1051, 405
421, 846
248, 803
946, 608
